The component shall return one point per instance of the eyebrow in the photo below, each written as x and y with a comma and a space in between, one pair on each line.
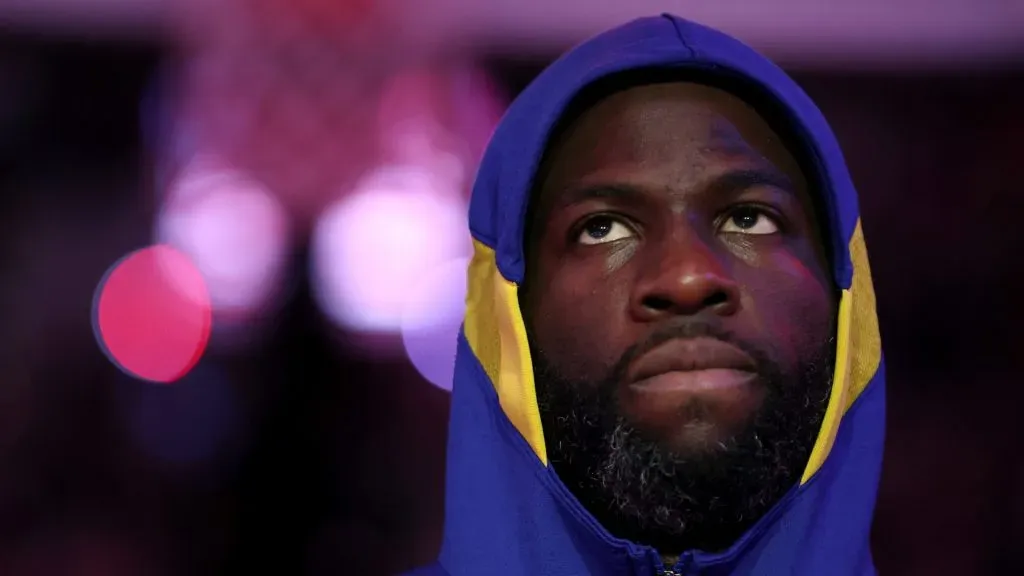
740, 180
731, 182
621, 192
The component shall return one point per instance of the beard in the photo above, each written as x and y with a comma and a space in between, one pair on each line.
641, 491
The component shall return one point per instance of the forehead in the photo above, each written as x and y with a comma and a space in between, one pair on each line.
657, 124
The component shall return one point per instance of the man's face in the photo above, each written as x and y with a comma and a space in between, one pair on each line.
680, 313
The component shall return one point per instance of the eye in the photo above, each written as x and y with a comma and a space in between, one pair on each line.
603, 229
750, 220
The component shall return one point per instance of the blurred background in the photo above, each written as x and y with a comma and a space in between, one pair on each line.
213, 210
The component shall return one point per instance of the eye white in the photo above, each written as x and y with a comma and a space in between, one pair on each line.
603, 230
750, 222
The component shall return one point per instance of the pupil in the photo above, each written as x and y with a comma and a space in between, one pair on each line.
599, 228
745, 219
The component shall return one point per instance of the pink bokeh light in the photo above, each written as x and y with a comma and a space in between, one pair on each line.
152, 315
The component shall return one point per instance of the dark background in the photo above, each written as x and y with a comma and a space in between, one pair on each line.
339, 466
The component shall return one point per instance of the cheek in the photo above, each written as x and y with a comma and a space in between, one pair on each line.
618, 257
577, 321
794, 307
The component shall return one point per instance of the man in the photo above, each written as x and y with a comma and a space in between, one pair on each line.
670, 362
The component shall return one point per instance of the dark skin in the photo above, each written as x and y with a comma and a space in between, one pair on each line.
672, 215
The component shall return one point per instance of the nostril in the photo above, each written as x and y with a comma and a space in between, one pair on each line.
716, 299
666, 304
657, 303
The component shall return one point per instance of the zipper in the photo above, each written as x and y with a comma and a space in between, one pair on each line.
658, 564
661, 570
680, 569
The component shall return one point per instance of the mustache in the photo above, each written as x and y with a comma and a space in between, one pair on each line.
686, 329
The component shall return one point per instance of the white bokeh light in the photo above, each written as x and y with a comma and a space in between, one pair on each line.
235, 231
373, 249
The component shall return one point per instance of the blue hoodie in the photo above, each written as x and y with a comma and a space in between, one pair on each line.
507, 512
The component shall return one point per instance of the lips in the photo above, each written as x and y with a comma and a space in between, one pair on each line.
690, 355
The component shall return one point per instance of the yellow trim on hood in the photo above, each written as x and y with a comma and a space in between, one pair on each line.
497, 335
858, 351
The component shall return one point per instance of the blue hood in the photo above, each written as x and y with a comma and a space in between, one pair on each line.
507, 512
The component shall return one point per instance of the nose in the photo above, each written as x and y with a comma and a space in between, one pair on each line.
684, 278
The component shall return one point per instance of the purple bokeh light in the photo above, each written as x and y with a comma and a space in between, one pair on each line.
432, 319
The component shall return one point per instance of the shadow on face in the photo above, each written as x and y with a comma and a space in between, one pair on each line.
674, 252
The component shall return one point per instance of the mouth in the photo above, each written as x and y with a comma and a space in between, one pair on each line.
698, 364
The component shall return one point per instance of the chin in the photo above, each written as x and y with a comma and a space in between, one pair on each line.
695, 425
695, 438
698, 437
